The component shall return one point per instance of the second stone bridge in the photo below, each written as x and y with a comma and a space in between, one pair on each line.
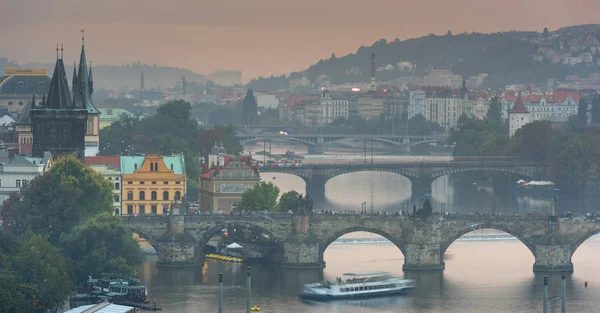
302, 240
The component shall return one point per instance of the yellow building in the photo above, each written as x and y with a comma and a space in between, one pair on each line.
151, 184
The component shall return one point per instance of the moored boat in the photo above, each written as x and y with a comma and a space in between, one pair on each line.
357, 285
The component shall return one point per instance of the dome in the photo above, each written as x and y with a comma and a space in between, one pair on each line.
24, 82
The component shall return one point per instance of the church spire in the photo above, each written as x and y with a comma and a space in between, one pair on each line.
74, 80
82, 97
59, 96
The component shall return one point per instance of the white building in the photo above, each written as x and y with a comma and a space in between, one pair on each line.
332, 108
265, 100
16, 171
109, 167
519, 116
442, 78
416, 103
446, 111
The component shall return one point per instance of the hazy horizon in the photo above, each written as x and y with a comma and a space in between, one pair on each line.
260, 37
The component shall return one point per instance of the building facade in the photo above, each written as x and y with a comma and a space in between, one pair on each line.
222, 185
151, 184
416, 103
371, 105
442, 78
18, 85
110, 168
16, 171
332, 108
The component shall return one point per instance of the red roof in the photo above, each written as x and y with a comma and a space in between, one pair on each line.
519, 106
294, 99
115, 161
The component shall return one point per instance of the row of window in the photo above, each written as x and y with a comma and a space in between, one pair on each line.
153, 195
362, 288
154, 183
19, 182
153, 209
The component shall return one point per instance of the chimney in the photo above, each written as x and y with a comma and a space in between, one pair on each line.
373, 86
183, 85
11, 153
142, 81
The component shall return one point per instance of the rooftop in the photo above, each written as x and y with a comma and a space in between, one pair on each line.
104, 307
129, 164
114, 161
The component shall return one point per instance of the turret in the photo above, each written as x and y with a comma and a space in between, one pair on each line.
90, 81
463, 89
74, 82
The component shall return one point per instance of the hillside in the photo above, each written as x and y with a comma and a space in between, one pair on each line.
124, 77
507, 57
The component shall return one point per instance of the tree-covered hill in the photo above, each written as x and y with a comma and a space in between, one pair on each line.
507, 57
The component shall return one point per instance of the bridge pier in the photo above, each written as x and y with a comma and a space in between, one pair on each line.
302, 255
175, 248
553, 254
420, 186
315, 188
423, 257
318, 148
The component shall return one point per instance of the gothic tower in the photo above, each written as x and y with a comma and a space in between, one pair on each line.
83, 87
58, 124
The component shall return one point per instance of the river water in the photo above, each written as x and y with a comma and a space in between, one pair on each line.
492, 276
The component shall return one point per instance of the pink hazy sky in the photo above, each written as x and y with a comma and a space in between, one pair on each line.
259, 37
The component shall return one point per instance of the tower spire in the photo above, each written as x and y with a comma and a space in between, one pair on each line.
61, 51
57, 50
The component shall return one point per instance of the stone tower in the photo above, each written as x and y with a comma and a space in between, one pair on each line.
59, 123
83, 87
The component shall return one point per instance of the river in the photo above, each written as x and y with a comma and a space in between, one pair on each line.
492, 276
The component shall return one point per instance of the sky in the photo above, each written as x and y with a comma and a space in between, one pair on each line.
259, 37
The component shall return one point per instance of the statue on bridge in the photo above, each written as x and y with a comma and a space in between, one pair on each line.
304, 205
425, 211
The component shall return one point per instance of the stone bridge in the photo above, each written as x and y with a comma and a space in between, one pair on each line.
302, 240
421, 173
316, 142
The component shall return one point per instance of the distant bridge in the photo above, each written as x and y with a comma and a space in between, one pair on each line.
316, 142
420, 173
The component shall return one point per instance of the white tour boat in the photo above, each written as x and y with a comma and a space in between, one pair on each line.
357, 285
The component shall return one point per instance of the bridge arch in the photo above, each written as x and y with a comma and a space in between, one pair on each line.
334, 236
487, 225
211, 232
579, 241
516, 171
400, 171
282, 138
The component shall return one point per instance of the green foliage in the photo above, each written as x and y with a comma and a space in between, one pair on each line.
35, 277
575, 167
494, 113
289, 201
64, 196
262, 197
596, 110
102, 245
532, 141
582, 109
249, 109
472, 137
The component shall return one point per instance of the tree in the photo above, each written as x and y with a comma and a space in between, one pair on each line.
582, 109
262, 197
545, 34
102, 245
494, 114
289, 201
42, 274
575, 167
64, 196
532, 141
249, 108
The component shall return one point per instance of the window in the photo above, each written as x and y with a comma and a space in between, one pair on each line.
21, 103
179, 183
117, 186
129, 182
151, 167
10, 103
142, 195
110, 178
18, 183
130, 195
117, 198
153, 183
24, 183
171, 166
142, 209
135, 166
142, 183
153, 195
177, 195
154, 209
166, 195
130, 209
0, 182
166, 182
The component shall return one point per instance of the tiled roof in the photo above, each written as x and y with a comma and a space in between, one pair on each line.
24, 84
519, 106
59, 96
115, 161
128, 163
